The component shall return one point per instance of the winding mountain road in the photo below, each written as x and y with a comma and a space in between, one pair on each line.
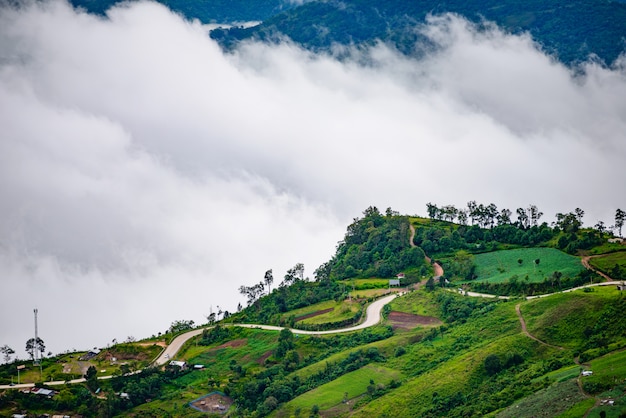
372, 317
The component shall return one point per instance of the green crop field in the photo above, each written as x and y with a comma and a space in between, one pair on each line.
363, 284
353, 384
499, 266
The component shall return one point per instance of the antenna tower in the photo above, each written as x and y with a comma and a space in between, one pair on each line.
36, 351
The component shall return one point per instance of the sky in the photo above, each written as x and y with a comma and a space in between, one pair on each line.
145, 174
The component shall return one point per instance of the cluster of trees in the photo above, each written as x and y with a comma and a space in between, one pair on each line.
522, 287
294, 292
442, 239
374, 245
485, 216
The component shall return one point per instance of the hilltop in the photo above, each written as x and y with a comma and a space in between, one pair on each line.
570, 31
437, 351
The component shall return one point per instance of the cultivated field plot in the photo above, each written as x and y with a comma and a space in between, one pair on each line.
347, 387
323, 312
363, 284
499, 266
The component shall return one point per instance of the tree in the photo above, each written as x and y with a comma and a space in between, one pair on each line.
534, 215
432, 210
32, 346
91, 378
522, 218
268, 280
180, 326
504, 218
620, 217
492, 364
471, 209
7, 352
294, 274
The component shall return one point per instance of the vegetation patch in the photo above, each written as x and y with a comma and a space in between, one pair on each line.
527, 264
548, 402
345, 388
614, 264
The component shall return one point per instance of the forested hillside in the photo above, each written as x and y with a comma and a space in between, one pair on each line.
218, 11
569, 30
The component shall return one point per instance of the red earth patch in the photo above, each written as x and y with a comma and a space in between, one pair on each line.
404, 320
312, 314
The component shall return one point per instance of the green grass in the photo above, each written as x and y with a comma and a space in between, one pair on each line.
340, 310
500, 266
419, 302
578, 410
606, 262
562, 318
608, 370
563, 374
354, 384
551, 401
364, 284
369, 293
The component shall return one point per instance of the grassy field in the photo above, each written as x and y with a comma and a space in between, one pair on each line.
561, 318
369, 293
606, 262
335, 311
419, 302
364, 284
350, 385
499, 266
608, 370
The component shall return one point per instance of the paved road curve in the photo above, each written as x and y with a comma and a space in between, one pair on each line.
372, 317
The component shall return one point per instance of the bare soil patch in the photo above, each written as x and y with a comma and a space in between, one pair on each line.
264, 357
404, 320
215, 403
312, 314
151, 343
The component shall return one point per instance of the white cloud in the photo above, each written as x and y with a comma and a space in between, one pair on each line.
145, 175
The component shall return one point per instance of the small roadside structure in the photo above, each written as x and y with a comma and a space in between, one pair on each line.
394, 282
586, 372
621, 286
181, 364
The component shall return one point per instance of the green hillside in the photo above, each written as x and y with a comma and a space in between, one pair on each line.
437, 352
569, 30
499, 266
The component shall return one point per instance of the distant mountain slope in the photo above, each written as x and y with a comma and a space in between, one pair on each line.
207, 11
570, 29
